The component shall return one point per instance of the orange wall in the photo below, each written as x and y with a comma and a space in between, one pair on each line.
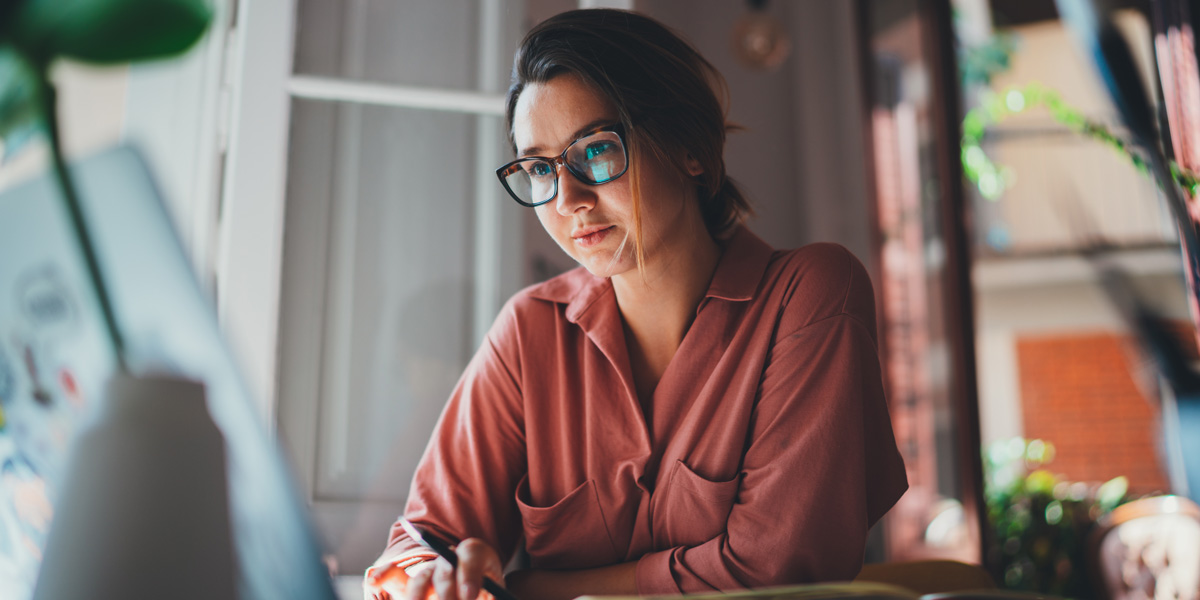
1077, 393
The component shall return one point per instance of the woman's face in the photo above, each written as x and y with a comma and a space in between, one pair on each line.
594, 223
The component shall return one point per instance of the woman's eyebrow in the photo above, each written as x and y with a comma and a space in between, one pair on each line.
575, 136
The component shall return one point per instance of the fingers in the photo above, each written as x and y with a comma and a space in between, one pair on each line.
380, 580
419, 582
444, 580
476, 560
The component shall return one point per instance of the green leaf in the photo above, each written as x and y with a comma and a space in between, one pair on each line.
108, 31
20, 111
1112, 492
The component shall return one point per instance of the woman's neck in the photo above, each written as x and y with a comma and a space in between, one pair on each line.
659, 307
673, 283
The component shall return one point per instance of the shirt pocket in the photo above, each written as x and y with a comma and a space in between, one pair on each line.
692, 509
569, 534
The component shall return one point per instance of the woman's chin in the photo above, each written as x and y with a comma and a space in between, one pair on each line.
604, 266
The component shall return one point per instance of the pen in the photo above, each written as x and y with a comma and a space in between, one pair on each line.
446, 550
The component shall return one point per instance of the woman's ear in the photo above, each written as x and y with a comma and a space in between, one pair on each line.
692, 165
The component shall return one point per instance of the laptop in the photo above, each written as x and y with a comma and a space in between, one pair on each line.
56, 358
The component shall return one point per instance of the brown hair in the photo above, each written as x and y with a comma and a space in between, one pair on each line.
665, 94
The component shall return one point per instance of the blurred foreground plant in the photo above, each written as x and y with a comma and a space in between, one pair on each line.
1040, 522
36, 33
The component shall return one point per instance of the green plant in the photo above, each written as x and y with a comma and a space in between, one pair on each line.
1040, 522
991, 180
34, 34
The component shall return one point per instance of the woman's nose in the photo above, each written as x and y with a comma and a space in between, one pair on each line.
573, 195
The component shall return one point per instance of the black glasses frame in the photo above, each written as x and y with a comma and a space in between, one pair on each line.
503, 172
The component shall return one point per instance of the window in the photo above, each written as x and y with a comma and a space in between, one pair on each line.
398, 250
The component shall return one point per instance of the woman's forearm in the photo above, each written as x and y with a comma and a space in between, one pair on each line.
534, 584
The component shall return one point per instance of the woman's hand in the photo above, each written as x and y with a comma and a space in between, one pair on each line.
388, 582
437, 579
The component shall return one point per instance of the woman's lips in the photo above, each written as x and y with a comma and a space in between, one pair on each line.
590, 237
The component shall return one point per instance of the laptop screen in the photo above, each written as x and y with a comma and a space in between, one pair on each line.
55, 360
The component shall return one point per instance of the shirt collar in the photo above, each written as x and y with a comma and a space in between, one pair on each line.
739, 271
577, 288
741, 268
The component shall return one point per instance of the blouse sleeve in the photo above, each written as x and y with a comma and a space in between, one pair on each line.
464, 485
821, 464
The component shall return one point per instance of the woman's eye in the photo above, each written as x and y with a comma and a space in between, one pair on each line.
595, 149
539, 169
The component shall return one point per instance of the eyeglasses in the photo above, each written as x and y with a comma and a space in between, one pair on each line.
597, 157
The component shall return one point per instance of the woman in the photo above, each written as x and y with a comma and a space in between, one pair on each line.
688, 411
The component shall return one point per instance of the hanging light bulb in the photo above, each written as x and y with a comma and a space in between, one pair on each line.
759, 41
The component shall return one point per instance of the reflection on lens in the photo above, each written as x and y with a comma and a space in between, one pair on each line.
598, 158
602, 171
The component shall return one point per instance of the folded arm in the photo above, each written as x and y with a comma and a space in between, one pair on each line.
821, 466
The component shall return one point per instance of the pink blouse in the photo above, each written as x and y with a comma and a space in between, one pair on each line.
766, 455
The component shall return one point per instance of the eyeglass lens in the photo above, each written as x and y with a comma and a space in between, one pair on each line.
595, 159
